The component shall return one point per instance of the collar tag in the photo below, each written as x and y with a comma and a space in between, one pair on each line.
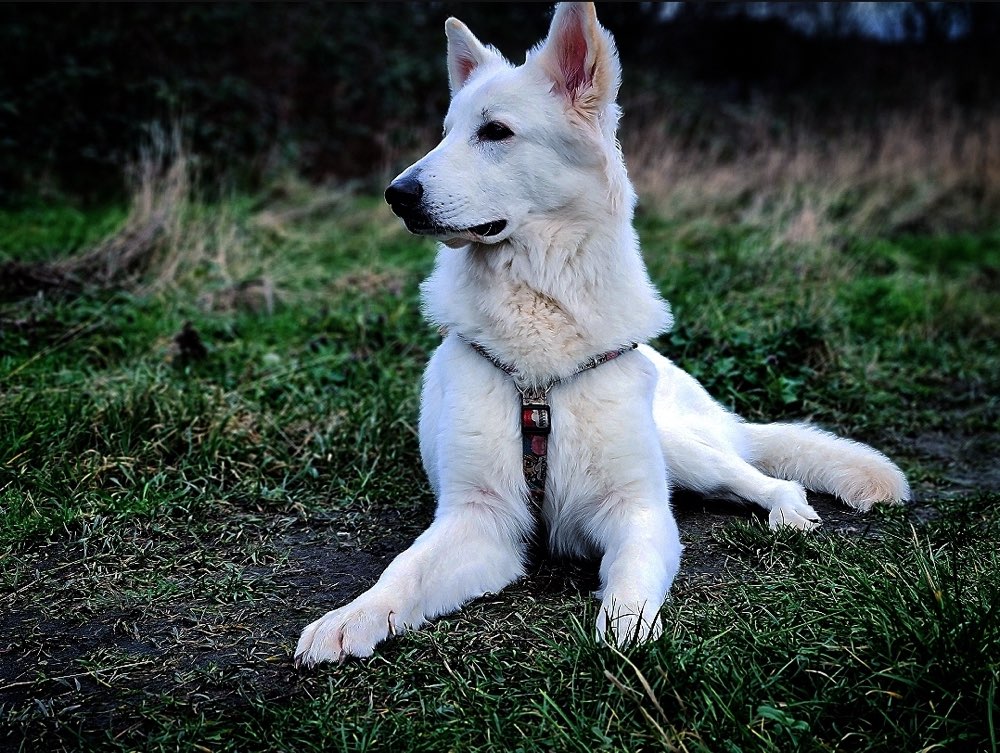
535, 418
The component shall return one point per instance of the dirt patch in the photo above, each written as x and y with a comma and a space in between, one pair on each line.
20, 279
85, 640
967, 462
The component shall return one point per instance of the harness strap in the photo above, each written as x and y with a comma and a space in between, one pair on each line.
536, 419
536, 423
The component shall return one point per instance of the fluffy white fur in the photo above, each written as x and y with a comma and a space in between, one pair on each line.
564, 280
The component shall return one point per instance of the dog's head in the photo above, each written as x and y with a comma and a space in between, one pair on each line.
521, 144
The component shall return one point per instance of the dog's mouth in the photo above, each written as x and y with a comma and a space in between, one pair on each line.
489, 229
475, 233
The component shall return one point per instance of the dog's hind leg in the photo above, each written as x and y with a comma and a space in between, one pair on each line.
703, 468
858, 474
468, 550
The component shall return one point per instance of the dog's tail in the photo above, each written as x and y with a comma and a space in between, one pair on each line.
824, 462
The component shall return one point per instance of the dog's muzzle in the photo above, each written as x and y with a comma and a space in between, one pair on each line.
405, 198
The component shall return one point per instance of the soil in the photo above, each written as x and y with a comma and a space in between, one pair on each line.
968, 462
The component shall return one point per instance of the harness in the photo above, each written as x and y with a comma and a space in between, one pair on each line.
536, 420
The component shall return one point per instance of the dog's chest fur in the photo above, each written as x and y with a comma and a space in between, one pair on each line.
602, 444
547, 307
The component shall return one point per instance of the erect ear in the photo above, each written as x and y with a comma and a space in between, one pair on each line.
465, 53
580, 58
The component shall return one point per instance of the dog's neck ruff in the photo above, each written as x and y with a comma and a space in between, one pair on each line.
536, 417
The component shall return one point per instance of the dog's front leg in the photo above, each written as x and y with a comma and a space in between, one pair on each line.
468, 550
641, 559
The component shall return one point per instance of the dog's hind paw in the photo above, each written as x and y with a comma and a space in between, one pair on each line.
798, 515
789, 508
352, 630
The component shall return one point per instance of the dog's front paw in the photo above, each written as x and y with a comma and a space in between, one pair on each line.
352, 630
623, 623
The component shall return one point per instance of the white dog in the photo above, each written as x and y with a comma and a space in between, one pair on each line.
540, 274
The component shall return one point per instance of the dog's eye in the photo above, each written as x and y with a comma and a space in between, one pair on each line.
494, 131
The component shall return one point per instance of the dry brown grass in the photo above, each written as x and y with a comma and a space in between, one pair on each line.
145, 251
146, 246
169, 237
209, 243
931, 170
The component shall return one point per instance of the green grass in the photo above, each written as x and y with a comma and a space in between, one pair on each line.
170, 517
43, 232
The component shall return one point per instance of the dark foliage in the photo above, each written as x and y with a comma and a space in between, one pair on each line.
339, 90
760, 375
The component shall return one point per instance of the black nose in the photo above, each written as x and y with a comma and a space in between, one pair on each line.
404, 193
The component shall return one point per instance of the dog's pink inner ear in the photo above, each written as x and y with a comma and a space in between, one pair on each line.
464, 66
465, 54
571, 52
579, 57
